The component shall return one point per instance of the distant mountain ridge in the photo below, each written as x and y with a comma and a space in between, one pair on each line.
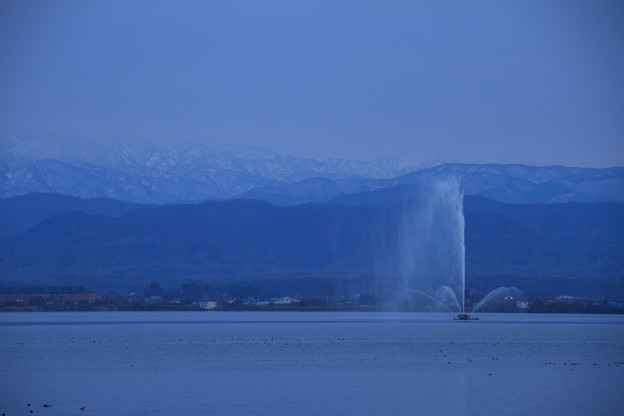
518, 184
166, 174
161, 174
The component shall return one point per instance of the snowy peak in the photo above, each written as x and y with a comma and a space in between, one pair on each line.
157, 173
164, 173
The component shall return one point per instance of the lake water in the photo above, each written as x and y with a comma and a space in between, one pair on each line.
237, 363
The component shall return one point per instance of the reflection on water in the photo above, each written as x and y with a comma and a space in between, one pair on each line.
184, 363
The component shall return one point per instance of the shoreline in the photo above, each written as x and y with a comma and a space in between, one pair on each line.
277, 308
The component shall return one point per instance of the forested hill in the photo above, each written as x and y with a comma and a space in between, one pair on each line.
254, 239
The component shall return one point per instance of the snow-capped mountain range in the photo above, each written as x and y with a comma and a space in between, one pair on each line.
155, 173
158, 173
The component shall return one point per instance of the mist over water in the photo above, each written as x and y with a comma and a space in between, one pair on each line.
422, 252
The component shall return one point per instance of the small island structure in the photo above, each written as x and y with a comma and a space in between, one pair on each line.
465, 317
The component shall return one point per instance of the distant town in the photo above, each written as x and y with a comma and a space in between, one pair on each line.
79, 298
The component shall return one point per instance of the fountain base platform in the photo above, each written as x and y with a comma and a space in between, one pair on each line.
465, 317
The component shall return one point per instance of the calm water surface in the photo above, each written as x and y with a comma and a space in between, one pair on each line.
235, 363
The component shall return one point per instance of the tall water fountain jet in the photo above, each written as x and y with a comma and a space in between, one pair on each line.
424, 248
424, 251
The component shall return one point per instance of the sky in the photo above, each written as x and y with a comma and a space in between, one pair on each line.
531, 81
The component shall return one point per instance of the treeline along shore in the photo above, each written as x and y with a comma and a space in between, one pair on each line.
78, 298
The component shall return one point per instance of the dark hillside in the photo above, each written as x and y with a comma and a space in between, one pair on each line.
253, 239
19, 213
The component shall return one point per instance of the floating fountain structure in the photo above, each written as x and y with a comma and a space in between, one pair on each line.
425, 251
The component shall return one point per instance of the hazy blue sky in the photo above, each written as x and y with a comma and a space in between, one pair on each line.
515, 81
